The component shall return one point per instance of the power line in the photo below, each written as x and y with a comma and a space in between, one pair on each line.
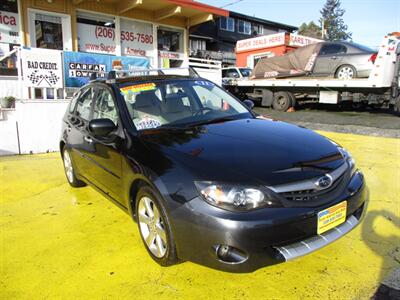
231, 3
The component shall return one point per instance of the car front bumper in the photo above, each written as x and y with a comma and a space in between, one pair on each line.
261, 237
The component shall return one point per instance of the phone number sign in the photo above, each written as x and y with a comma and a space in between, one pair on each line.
136, 38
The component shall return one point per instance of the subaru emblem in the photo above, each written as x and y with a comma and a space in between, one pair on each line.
324, 182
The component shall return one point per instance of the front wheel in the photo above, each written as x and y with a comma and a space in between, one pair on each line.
69, 170
154, 227
346, 72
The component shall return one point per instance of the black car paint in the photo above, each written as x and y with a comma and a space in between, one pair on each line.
246, 151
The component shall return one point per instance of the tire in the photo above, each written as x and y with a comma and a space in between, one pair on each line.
346, 72
282, 101
69, 170
154, 227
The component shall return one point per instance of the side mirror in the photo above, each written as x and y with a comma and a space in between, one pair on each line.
249, 104
101, 127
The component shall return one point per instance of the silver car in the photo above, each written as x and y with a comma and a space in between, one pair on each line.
344, 60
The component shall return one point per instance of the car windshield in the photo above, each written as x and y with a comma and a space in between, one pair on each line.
245, 72
179, 103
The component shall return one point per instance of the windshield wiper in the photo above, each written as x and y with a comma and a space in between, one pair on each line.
212, 121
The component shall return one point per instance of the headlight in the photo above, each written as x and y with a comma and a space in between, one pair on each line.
350, 160
236, 197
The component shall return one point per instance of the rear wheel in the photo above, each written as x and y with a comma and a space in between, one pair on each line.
346, 72
154, 227
69, 170
282, 101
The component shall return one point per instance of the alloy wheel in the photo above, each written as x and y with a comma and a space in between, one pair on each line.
69, 170
152, 227
346, 72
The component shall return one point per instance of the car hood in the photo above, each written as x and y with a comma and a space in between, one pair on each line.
270, 152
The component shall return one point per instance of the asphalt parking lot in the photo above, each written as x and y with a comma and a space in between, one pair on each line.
367, 121
59, 242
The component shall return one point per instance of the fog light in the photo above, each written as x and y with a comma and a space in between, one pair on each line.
230, 255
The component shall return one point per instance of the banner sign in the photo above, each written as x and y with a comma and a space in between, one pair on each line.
9, 22
78, 66
301, 40
136, 38
96, 39
271, 40
42, 68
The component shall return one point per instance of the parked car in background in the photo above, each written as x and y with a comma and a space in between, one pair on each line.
230, 74
235, 72
344, 60
204, 178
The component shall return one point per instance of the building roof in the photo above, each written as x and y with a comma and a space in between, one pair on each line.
263, 21
201, 7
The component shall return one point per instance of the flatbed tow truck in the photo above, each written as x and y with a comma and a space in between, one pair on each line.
380, 89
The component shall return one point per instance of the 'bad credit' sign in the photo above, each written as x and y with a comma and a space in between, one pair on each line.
42, 68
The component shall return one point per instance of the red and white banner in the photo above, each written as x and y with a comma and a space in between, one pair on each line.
301, 40
271, 40
137, 38
96, 39
9, 27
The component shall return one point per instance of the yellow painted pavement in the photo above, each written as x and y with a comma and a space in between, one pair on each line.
63, 243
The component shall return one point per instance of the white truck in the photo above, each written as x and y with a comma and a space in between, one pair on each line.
380, 89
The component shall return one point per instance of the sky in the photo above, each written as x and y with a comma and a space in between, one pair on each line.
368, 20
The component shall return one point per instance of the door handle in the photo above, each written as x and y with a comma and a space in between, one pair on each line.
88, 139
334, 57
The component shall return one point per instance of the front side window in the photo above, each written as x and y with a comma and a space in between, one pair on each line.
104, 107
232, 73
244, 27
245, 72
226, 23
178, 103
84, 103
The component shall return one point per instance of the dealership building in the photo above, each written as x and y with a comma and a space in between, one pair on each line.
155, 31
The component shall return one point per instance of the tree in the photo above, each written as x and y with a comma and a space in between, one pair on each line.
332, 18
311, 30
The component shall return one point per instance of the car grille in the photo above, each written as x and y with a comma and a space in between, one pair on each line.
306, 194
312, 194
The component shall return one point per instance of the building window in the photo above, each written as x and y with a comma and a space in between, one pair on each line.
197, 45
259, 29
96, 33
48, 32
137, 38
9, 22
244, 27
227, 24
169, 40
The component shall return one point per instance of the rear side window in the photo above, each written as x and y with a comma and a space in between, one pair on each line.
329, 49
83, 104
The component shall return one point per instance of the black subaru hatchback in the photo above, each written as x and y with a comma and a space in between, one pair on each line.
205, 179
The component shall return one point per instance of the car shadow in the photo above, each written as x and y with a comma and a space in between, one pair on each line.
387, 247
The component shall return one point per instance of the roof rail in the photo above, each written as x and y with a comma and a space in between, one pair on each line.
139, 72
